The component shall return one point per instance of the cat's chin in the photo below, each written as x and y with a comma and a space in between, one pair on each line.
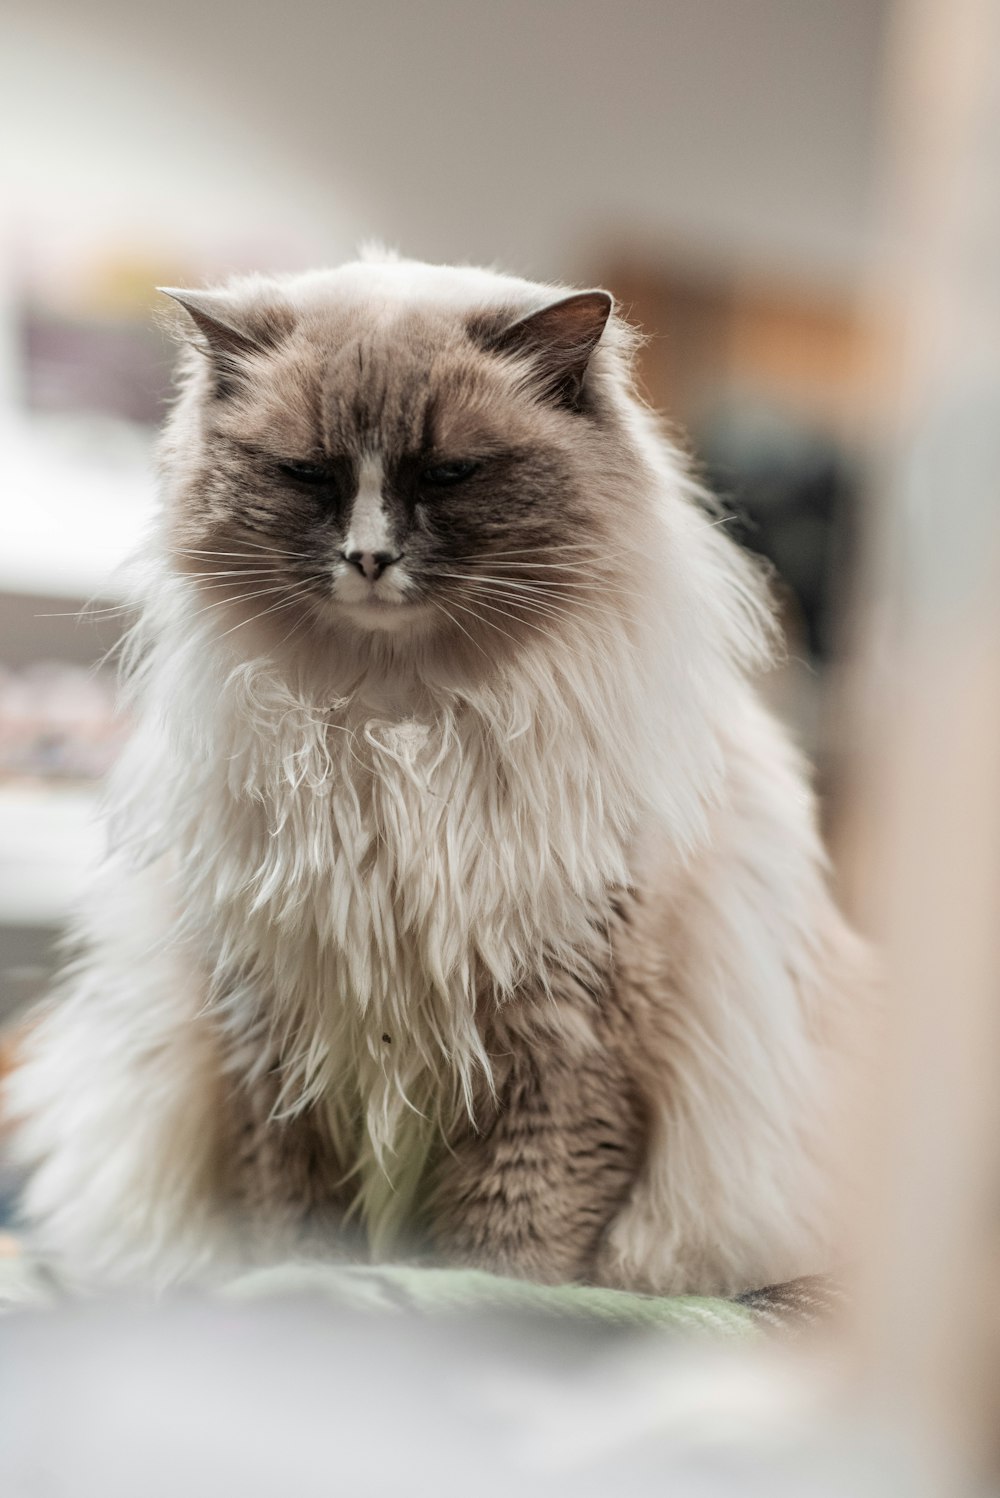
378, 616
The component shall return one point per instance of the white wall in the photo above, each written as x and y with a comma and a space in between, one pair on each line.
530, 131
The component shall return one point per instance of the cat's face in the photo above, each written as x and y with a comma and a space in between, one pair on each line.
395, 467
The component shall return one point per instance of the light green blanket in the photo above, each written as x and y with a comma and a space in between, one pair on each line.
398, 1288
444, 1292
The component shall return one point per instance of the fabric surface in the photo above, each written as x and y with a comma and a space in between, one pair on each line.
389, 1288
442, 1292
394, 1288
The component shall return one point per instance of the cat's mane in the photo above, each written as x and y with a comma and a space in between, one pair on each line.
323, 856
597, 735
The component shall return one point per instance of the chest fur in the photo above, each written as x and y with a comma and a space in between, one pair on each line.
374, 884
407, 858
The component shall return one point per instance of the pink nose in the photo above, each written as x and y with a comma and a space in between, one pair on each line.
370, 564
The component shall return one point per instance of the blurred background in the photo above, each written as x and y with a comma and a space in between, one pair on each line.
798, 201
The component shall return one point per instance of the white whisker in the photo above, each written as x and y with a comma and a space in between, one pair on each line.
441, 609
528, 551
244, 572
300, 585
544, 586
252, 554
479, 620
88, 611
514, 617
519, 618
275, 608
541, 602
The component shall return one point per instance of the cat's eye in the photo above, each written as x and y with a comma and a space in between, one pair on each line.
305, 473
440, 474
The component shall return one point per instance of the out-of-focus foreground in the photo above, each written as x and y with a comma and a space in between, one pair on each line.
799, 204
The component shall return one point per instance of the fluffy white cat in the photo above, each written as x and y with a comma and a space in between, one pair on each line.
459, 886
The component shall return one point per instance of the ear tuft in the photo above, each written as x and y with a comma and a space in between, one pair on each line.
231, 330
560, 340
214, 318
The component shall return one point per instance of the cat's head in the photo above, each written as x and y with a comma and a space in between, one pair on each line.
419, 458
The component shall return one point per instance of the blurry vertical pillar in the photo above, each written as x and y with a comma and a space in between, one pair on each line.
928, 1327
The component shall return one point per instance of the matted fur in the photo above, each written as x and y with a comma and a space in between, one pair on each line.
344, 850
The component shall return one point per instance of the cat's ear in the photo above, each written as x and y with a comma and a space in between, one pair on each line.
559, 340
231, 333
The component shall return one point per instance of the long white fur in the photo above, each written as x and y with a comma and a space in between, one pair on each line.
337, 873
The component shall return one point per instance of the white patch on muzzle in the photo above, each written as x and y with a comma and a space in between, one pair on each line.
368, 529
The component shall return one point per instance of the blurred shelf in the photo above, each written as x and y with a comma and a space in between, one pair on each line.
50, 842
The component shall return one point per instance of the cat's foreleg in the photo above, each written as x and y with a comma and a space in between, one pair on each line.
532, 1192
288, 1188
152, 1154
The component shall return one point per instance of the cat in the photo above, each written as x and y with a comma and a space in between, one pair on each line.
462, 900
